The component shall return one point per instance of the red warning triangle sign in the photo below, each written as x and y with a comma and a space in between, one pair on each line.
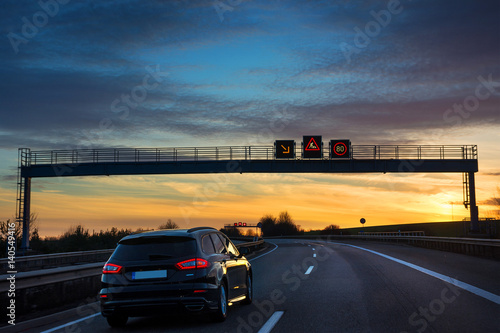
312, 145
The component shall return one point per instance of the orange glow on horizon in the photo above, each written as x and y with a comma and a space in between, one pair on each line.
314, 202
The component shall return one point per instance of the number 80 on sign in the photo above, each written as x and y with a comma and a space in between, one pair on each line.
340, 149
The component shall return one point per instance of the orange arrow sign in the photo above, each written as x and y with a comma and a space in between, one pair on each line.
286, 150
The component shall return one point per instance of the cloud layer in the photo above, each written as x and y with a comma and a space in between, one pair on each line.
408, 65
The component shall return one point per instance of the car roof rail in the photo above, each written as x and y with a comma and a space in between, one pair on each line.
201, 228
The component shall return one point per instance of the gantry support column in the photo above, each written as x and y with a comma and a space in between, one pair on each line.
474, 212
25, 243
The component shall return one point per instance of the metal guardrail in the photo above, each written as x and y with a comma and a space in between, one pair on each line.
465, 241
51, 275
414, 152
41, 261
489, 248
120, 155
393, 233
250, 245
477, 241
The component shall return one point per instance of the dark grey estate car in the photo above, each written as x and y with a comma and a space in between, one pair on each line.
196, 270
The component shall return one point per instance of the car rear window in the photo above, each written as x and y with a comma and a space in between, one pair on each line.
154, 248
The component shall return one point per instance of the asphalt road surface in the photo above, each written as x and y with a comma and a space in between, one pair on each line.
317, 286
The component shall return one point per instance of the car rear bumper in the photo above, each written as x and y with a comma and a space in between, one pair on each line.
147, 307
136, 306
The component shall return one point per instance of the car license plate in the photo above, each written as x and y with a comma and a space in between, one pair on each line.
149, 275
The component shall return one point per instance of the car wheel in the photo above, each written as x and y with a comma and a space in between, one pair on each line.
117, 320
249, 294
221, 313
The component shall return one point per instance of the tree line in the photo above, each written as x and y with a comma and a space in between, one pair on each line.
79, 238
76, 238
283, 225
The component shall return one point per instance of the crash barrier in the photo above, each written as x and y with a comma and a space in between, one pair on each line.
53, 287
44, 261
393, 234
489, 248
252, 243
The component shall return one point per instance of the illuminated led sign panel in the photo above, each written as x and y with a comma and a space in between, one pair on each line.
340, 149
311, 146
285, 148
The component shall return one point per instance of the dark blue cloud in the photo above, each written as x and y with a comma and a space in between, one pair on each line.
230, 78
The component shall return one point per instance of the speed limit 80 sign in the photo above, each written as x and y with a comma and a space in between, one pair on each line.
340, 149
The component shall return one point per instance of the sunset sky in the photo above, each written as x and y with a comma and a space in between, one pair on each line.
131, 73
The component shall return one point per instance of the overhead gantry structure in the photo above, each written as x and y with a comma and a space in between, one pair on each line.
282, 157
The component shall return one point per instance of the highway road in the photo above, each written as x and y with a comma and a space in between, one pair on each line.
318, 286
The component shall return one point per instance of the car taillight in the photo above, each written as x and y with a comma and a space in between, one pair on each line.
192, 264
111, 269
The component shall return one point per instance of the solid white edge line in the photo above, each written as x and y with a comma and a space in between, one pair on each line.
71, 323
264, 253
269, 325
475, 290
309, 270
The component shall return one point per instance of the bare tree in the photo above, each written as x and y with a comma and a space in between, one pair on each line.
268, 225
285, 225
18, 229
168, 225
